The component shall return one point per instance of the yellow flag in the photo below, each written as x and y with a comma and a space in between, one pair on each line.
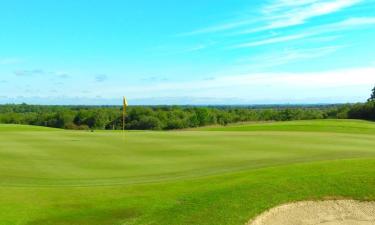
125, 103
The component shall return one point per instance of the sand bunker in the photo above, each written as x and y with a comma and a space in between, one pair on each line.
333, 212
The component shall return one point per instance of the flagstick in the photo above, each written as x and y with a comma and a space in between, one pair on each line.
125, 104
123, 120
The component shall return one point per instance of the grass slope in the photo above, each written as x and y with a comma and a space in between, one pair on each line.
21, 128
181, 177
336, 126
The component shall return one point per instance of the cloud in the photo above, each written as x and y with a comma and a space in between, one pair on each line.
278, 14
289, 55
101, 78
322, 39
272, 40
29, 72
62, 75
285, 13
154, 79
170, 50
195, 48
357, 76
334, 84
220, 27
39, 72
312, 87
351, 23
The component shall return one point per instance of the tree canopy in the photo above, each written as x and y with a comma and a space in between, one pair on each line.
157, 117
372, 98
175, 117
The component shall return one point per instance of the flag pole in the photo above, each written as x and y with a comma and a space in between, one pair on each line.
125, 104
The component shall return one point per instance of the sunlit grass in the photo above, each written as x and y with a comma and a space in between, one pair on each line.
179, 177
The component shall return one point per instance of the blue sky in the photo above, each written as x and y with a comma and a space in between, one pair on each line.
186, 52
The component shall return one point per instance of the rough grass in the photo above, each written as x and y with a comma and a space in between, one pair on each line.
182, 177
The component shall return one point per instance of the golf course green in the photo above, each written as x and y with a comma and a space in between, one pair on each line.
203, 176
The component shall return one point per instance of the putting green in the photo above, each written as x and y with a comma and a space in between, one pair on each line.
50, 176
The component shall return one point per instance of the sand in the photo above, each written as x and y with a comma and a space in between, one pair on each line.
332, 212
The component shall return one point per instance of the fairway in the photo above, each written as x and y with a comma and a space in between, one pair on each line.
204, 176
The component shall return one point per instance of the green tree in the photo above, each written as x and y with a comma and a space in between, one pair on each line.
372, 98
149, 123
63, 118
171, 117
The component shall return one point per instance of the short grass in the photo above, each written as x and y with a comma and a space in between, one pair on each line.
198, 177
336, 126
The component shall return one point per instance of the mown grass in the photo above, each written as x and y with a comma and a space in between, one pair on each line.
336, 126
182, 177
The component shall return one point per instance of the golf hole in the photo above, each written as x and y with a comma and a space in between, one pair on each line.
332, 212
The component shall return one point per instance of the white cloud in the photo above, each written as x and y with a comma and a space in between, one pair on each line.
220, 27
346, 85
33, 72
175, 50
324, 38
273, 40
339, 78
262, 86
290, 13
351, 23
289, 55
195, 48
280, 14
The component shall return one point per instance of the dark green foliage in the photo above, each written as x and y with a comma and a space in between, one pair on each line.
165, 117
372, 98
145, 123
363, 111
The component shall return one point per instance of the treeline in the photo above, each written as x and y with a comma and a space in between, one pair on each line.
364, 111
162, 117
